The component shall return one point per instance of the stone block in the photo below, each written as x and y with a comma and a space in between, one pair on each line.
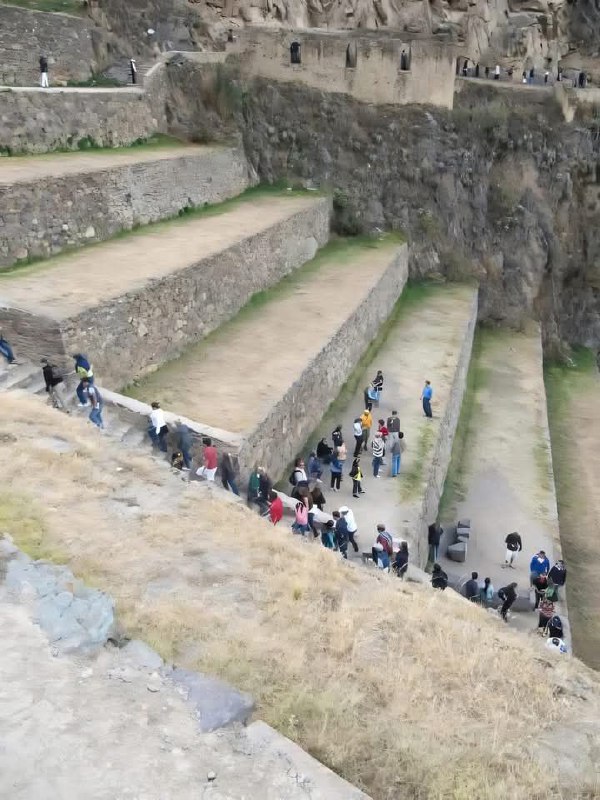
215, 702
458, 551
463, 523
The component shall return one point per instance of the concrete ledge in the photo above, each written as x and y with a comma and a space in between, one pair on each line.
319, 782
99, 194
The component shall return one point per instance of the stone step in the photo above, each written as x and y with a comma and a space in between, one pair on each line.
21, 376
115, 190
146, 296
288, 357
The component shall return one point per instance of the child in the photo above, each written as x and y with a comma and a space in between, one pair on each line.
301, 523
356, 475
177, 460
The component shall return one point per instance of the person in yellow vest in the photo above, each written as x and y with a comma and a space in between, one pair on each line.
366, 420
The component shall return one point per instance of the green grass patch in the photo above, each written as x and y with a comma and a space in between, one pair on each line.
64, 6
455, 484
39, 263
336, 251
104, 81
88, 144
412, 478
20, 518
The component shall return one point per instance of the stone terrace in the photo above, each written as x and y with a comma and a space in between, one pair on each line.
50, 202
146, 295
272, 371
431, 339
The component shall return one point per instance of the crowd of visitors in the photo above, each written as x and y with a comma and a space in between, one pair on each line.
530, 75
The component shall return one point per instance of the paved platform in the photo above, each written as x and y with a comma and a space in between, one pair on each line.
506, 476
21, 169
236, 378
112, 269
430, 340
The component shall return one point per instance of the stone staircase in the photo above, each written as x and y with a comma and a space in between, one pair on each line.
120, 71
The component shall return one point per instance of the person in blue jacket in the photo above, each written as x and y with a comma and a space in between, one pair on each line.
539, 565
426, 396
84, 371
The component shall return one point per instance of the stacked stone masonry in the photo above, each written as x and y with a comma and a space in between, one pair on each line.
25, 35
37, 121
40, 217
292, 417
146, 326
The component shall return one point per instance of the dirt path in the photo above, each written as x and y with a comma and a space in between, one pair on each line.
506, 471
259, 354
123, 265
574, 402
19, 169
423, 344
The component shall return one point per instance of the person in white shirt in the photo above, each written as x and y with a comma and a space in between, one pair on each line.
158, 429
358, 436
348, 515
497, 72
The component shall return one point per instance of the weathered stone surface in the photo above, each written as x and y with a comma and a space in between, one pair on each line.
36, 121
216, 703
98, 202
458, 551
74, 617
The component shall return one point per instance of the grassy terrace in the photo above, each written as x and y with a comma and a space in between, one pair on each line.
64, 6
86, 144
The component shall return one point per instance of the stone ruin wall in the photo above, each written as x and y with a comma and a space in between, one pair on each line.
376, 78
40, 218
292, 417
67, 42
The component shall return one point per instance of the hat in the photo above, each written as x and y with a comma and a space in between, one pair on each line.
155, 405
344, 509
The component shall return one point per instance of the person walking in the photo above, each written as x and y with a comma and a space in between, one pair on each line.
472, 589
401, 560
254, 486
97, 402
358, 436
275, 507
44, 72
426, 396
210, 461
84, 371
356, 475
229, 471
184, 442
335, 468
133, 70
366, 421
341, 453
514, 545
434, 535
53, 378
158, 430
508, 595
486, 593
341, 533
377, 447
558, 575
328, 534
6, 350
497, 72
351, 526
539, 565
398, 447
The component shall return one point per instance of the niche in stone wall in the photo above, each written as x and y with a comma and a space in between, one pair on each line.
351, 56
295, 53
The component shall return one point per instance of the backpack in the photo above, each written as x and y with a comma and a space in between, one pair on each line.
502, 594
292, 478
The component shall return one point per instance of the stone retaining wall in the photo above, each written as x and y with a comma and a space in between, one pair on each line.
292, 417
25, 35
37, 121
142, 329
41, 217
418, 516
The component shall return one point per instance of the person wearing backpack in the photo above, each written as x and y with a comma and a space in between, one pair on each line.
298, 476
439, 579
356, 475
508, 595
84, 371
337, 436
52, 379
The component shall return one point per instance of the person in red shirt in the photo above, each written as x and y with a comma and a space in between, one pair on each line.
275, 507
210, 460
383, 430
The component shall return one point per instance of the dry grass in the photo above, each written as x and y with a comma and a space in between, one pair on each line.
406, 692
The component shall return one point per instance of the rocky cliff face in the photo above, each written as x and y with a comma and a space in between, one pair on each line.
520, 33
499, 189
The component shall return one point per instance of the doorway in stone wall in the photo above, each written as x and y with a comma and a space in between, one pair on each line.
295, 53
351, 55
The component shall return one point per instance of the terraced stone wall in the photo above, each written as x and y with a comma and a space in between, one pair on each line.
41, 218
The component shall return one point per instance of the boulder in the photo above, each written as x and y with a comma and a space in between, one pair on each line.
215, 702
458, 551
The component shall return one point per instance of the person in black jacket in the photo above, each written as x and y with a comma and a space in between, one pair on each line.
337, 437
433, 538
439, 579
43, 72
514, 545
472, 588
558, 575
53, 378
401, 560
508, 595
